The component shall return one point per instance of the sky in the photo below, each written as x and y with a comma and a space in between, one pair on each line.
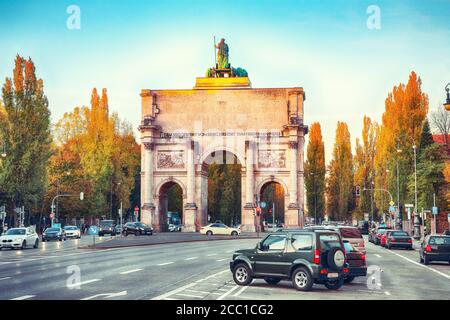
346, 68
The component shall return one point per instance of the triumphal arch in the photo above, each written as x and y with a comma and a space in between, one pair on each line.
182, 131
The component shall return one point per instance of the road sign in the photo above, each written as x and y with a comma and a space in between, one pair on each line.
434, 210
391, 203
93, 230
391, 209
408, 205
262, 204
448, 218
51, 215
136, 209
358, 191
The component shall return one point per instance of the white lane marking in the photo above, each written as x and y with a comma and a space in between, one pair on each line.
164, 264
377, 255
24, 297
421, 265
5, 278
170, 299
197, 291
228, 292
107, 295
175, 291
243, 289
81, 283
131, 271
191, 258
189, 295
229, 251
219, 260
211, 254
387, 293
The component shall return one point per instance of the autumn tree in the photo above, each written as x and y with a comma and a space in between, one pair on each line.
340, 181
315, 172
405, 110
365, 165
26, 136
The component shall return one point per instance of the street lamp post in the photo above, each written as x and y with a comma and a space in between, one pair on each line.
397, 220
315, 197
4, 154
447, 102
416, 213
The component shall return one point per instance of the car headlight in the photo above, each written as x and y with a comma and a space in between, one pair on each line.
18, 240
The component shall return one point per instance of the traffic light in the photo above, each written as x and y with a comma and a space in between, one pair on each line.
258, 211
357, 191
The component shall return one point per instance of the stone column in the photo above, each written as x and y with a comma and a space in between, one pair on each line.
248, 218
148, 207
293, 208
190, 214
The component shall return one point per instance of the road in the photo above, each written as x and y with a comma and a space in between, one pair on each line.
194, 270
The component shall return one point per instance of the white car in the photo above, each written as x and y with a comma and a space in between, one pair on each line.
219, 228
72, 232
19, 238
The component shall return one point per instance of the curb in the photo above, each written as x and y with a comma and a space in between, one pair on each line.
159, 243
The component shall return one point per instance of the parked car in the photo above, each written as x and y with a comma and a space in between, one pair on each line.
72, 232
353, 236
54, 233
435, 248
304, 256
378, 235
106, 227
398, 239
356, 261
363, 226
19, 238
175, 227
220, 229
137, 228
118, 228
373, 232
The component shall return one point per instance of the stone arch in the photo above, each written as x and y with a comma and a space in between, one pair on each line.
272, 179
167, 180
207, 152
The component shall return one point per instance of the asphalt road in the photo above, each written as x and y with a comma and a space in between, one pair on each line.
194, 270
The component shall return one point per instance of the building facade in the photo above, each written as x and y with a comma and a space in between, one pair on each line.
183, 131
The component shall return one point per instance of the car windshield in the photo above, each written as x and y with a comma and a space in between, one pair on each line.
381, 231
399, 234
52, 230
139, 224
15, 232
106, 223
350, 233
440, 240
70, 228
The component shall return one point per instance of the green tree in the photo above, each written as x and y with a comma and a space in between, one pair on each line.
315, 172
27, 137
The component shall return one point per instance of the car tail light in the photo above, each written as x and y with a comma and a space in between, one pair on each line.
363, 257
409, 240
317, 256
428, 248
345, 270
392, 239
324, 271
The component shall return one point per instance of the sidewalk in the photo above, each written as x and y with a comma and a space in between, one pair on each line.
166, 237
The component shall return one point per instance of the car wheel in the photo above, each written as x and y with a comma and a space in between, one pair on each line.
302, 279
336, 258
36, 244
125, 234
334, 285
420, 259
242, 275
349, 279
272, 280
426, 260
24, 245
209, 233
43, 240
136, 233
234, 233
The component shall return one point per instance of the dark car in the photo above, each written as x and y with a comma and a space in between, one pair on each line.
304, 256
435, 248
363, 226
106, 227
398, 239
356, 260
54, 234
137, 228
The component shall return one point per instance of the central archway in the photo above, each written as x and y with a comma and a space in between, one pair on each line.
170, 204
275, 196
222, 174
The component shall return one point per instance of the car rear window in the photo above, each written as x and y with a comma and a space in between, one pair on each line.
399, 234
328, 241
439, 240
350, 233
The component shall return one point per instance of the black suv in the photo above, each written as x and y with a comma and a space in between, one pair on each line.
137, 228
303, 256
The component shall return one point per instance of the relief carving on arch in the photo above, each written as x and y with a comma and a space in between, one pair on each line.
272, 159
170, 159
